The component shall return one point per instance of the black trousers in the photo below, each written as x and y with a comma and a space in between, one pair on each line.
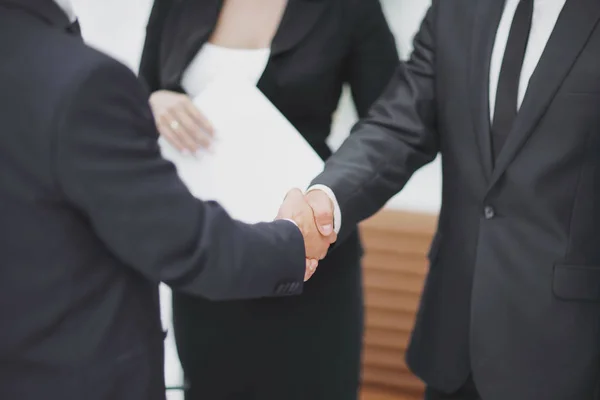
294, 348
467, 392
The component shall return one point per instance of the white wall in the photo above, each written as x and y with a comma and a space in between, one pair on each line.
118, 27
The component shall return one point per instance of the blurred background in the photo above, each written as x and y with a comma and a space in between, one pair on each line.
396, 240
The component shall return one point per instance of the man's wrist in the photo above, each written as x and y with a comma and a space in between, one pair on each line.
337, 213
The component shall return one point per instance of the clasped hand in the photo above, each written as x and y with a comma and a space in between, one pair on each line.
313, 213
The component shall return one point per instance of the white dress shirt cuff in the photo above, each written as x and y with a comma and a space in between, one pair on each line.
337, 213
292, 221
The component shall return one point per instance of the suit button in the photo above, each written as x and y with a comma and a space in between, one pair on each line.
489, 212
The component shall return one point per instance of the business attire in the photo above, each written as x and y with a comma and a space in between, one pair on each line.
307, 347
508, 93
93, 218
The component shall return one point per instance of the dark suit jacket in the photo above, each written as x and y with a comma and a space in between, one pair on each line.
319, 46
92, 219
513, 293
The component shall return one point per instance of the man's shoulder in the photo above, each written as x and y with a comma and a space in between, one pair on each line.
79, 73
79, 63
55, 65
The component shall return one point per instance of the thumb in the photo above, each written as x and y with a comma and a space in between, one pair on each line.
293, 195
322, 210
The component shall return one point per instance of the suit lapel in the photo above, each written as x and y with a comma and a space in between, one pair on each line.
487, 19
297, 21
572, 31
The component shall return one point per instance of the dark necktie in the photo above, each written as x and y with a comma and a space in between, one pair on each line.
505, 110
74, 28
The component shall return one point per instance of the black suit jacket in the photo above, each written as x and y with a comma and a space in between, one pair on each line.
92, 219
513, 292
319, 46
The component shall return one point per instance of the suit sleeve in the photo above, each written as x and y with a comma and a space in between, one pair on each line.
109, 168
398, 136
373, 58
149, 64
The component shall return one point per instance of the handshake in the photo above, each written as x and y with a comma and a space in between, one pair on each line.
313, 214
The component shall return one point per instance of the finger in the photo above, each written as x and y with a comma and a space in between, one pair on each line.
289, 207
294, 194
166, 131
322, 210
332, 238
195, 127
199, 118
292, 200
316, 245
323, 255
189, 131
324, 252
171, 125
311, 267
308, 270
307, 276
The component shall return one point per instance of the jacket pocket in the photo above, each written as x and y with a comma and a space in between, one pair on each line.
576, 282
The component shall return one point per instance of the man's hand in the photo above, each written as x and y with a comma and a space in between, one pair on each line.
296, 208
322, 207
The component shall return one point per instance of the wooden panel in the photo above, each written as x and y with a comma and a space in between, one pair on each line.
369, 394
395, 266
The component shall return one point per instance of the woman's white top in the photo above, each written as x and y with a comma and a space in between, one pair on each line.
214, 61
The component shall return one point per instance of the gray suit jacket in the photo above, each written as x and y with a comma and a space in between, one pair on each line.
513, 292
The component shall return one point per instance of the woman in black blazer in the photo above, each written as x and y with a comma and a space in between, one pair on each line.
306, 347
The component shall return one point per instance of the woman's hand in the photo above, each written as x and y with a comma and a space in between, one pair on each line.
180, 122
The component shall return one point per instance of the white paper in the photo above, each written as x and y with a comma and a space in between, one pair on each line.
256, 158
